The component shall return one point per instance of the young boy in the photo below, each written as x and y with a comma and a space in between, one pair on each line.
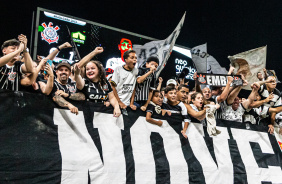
124, 80
176, 107
146, 83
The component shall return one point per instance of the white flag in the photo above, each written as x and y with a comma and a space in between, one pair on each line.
199, 57
204, 62
161, 48
249, 63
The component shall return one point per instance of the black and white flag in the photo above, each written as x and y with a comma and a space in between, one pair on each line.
161, 48
204, 62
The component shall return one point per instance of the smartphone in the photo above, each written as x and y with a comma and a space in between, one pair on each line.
50, 63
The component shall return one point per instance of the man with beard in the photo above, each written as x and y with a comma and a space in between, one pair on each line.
63, 88
11, 67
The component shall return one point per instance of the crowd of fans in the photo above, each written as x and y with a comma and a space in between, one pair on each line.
128, 86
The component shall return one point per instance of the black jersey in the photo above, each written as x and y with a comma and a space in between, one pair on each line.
69, 88
94, 92
10, 76
142, 89
178, 109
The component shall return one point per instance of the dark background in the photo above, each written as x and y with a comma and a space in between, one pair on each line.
228, 27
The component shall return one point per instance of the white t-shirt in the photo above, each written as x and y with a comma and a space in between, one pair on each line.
125, 81
229, 114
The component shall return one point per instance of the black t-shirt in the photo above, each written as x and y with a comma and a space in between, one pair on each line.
152, 109
69, 88
10, 76
94, 92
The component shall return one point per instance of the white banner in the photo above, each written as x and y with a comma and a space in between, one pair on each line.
249, 63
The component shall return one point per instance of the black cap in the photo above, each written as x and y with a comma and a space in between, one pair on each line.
153, 58
64, 63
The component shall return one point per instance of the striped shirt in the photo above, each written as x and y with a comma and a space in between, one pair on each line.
142, 89
69, 88
10, 76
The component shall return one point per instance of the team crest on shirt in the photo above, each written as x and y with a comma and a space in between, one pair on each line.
71, 89
12, 76
105, 87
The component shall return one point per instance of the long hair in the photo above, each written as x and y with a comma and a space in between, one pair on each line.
101, 70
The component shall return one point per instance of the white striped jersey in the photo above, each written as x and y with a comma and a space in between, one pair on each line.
178, 109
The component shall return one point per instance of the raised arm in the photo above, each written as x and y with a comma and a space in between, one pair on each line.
27, 67
53, 54
141, 78
77, 77
89, 56
226, 90
255, 87
234, 93
160, 84
47, 88
6, 58
197, 85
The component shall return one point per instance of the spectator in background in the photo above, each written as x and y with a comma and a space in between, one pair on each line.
146, 83
11, 68
260, 76
95, 86
124, 80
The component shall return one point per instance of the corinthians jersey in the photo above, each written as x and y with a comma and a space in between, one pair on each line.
94, 92
69, 88
10, 76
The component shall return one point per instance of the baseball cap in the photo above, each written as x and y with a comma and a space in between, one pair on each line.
171, 81
63, 63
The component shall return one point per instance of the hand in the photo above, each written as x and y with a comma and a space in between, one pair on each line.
61, 93
143, 108
107, 103
255, 86
160, 123
133, 107
269, 97
42, 62
160, 80
65, 45
73, 109
77, 70
152, 68
39, 58
184, 133
21, 47
270, 129
49, 70
270, 80
231, 69
280, 131
165, 111
122, 105
230, 79
217, 106
195, 76
117, 112
22, 38
98, 50
264, 70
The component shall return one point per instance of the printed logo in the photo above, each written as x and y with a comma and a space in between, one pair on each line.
280, 144
49, 34
201, 79
78, 37
12, 76
71, 89
105, 87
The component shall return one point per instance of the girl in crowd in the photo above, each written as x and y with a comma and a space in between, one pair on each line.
95, 86
195, 108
